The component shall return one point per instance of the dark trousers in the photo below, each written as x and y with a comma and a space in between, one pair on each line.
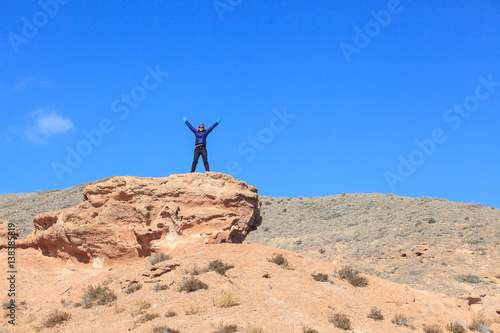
203, 152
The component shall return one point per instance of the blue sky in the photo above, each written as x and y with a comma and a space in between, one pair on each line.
316, 97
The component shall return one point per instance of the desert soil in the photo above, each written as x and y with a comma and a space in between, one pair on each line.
439, 250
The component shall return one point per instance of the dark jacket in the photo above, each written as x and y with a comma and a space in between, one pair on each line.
201, 137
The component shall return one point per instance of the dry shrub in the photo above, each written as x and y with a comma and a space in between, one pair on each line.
158, 257
195, 270
225, 300
98, 295
468, 278
432, 329
340, 320
142, 304
157, 287
480, 326
194, 309
108, 280
351, 275
133, 287
164, 329
147, 317
320, 277
347, 272
359, 281
219, 267
56, 318
192, 284
401, 320
253, 329
455, 327
226, 328
376, 314
170, 314
281, 261
307, 329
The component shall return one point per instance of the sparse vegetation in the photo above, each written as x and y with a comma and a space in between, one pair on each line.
158, 287
65, 304
376, 314
194, 309
108, 280
432, 329
480, 324
99, 295
170, 314
253, 329
351, 275
340, 320
469, 278
281, 261
359, 281
455, 327
56, 318
142, 304
307, 329
195, 270
225, 300
192, 284
219, 267
147, 317
164, 329
402, 320
226, 328
158, 257
133, 287
320, 277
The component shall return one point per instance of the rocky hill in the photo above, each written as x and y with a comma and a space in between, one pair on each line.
126, 218
430, 260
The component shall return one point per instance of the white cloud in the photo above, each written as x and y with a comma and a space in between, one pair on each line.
23, 83
46, 84
47, 124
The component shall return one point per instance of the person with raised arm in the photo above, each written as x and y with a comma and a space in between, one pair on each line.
200, 143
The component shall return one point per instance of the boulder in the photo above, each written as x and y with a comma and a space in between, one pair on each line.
125, 218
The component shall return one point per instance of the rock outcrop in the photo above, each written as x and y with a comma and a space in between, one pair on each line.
128, 217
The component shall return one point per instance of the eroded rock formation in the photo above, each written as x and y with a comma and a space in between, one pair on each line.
129, 217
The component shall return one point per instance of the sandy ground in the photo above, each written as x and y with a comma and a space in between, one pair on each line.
267, 296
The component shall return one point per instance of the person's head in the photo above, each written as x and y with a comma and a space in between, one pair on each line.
201, 127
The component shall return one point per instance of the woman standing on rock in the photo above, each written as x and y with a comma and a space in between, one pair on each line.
200, 143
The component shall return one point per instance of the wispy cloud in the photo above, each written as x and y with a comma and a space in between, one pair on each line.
21, 84
46, 84
47, 124
24, 83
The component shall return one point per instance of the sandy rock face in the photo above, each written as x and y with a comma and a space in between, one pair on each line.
129, 217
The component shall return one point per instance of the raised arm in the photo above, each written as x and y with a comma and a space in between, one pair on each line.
189, 125
213, 126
